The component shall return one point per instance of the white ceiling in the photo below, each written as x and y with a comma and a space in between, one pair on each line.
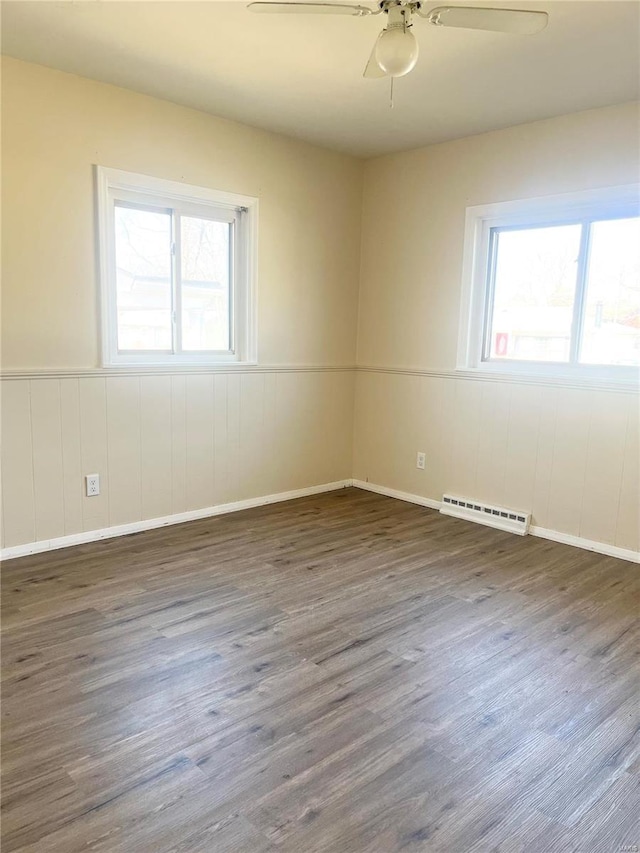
302, 75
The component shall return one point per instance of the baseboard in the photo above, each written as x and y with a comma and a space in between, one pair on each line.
394, 493
541, 532
221, 509
586, 544
153, 523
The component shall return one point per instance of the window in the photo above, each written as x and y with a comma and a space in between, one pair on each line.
553, 285
177, 271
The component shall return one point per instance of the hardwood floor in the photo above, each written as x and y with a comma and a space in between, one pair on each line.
338, 674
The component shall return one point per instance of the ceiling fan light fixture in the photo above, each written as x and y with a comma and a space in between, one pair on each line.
396, 51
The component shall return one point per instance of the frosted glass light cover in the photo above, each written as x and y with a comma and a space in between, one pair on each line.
397, 52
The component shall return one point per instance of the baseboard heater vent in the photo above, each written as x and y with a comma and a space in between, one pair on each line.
493, 516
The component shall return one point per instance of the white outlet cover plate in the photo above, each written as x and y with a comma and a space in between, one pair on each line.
92, 485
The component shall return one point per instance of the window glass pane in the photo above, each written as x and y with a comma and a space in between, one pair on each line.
611, 329
206, 274
535, 280
143, 264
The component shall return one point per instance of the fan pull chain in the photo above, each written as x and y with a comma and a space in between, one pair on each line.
391, 95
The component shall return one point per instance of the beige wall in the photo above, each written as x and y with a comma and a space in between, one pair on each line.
570, 456
414, 213
55, 126
164, 444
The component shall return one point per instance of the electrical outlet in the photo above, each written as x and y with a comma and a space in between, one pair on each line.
421, 459
92, 485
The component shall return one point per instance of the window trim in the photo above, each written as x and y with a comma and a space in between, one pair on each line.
605, 203
113, 185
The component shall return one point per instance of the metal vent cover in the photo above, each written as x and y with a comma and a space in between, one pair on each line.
514, 521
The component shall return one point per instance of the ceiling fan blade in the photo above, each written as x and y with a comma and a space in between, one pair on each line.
372, 69
311, 8
518, 21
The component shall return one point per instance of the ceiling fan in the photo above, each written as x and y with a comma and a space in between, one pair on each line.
395, 51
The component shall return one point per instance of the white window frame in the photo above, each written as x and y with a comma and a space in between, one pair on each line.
607, 203
114, 185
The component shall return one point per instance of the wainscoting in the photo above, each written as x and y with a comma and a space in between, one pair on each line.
568, 455
193, 444
165, 444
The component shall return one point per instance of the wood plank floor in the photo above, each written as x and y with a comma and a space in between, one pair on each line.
338, 674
